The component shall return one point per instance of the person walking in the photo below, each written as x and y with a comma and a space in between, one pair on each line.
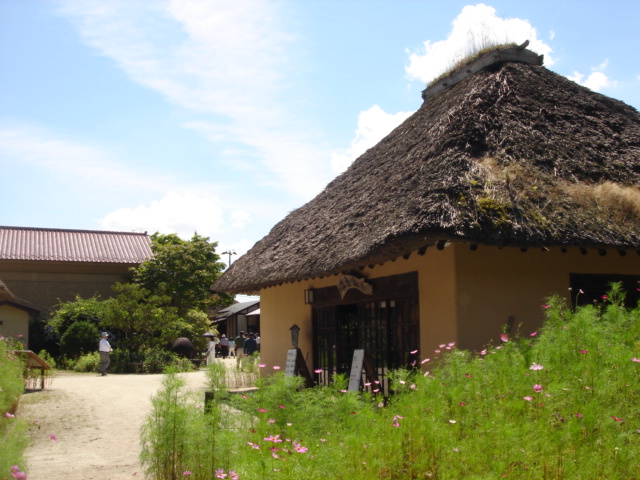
240, 339
224, 346
104, 348
250, 345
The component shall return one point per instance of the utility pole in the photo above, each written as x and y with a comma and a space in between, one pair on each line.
229, 252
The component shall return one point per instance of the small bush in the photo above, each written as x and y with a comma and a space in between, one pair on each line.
80, 338
87, 363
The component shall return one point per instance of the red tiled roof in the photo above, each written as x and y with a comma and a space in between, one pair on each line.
50, 244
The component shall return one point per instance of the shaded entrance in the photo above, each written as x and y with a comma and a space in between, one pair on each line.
385, 324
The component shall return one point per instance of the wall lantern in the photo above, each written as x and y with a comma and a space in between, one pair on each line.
295, 330
308, 297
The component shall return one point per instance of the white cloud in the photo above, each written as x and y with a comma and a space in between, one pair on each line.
476, 26
597, 80
183, 213
373, 125
228, 63
69, 160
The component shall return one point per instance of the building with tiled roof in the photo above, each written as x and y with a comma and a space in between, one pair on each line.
42, 266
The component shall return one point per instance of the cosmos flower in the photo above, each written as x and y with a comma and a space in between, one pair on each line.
299, 448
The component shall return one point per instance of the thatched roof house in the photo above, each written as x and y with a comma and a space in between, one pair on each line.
513, 155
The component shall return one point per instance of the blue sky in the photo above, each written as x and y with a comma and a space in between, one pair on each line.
221, 117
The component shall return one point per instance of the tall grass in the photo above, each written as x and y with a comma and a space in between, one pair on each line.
13, 437
560, 403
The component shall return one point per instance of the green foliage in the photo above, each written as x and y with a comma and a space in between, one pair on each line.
87, 363
81, 337
13, 436
183, 271
559, 403
142, 319
149, 360
66, 314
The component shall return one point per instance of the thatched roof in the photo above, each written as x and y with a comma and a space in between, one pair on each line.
513, 155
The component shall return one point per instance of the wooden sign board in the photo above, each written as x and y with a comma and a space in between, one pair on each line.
356, 370
296, 366
290, 365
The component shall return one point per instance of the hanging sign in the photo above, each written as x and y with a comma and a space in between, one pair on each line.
348, 282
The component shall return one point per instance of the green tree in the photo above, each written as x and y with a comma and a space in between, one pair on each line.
183, 271
142, 319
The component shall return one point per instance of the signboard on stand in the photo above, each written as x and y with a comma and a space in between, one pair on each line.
361, 361
296, 366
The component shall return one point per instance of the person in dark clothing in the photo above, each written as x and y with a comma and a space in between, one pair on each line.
250, 345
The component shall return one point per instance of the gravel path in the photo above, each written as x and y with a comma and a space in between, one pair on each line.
96, 421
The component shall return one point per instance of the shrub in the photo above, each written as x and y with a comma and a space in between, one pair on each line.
87, 363
80, 338
12, 430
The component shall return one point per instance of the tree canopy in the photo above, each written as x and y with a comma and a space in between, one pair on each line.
183, 271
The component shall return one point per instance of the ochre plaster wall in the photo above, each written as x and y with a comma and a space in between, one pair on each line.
14, 322
465, 296
494, 284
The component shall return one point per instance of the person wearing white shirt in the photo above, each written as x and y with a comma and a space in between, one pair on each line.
104, 348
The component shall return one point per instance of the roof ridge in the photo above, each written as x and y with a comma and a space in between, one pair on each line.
70, 230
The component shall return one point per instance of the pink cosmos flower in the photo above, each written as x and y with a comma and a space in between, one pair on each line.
546, 306
276, 367
504, 337
579, 415
318, 370
617, 419
53, 438
299, 448
451, 344
413, 352
536, 366
426, 374
262, 410
483, 352
271, 420
533, 334
273, 438
8, 415
233, 475
437, 351
262, 365
395, 420
425, 360
244, 396
528, 398
537, 388
584, 352
462, 404
186, 473
220, 473
468, 375
604, 297
634, 359
442, 345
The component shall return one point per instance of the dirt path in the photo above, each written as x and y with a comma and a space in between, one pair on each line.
96, 421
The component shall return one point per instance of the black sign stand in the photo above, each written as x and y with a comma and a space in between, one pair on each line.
296, 366
361, 361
